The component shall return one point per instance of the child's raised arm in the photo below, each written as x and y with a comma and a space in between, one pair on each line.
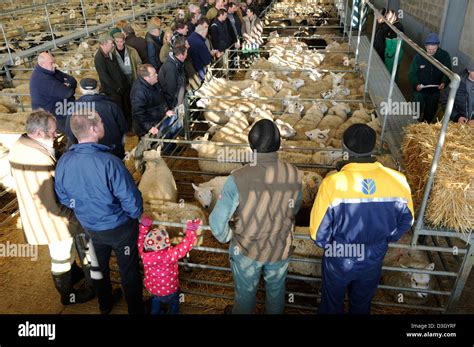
187, 244
145, 225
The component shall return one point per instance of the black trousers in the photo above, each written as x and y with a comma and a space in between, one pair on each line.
123, 241
428, 105
123, 101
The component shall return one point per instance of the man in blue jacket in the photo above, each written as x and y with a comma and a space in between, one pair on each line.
358, 211
51, 89
198, 50
115, 124
96, 185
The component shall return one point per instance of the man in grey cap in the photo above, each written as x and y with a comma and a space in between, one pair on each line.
262, 199
463, 109
115, 124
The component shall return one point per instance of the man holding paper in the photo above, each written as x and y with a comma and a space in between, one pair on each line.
427, 80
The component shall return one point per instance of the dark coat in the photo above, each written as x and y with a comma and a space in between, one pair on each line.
47, 88
385, 32
139, 43
198, 51
112, 79
423, 72
148, 106
115, 125
104, 193
220, 35
153, 45
172, 79
238, 27
464, 101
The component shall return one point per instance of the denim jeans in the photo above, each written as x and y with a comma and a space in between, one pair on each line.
247, 274
123, 241
171, 300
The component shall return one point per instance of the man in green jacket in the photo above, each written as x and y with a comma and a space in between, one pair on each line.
127, 57
427, 80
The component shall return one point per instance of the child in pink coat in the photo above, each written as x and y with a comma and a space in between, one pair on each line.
160, 262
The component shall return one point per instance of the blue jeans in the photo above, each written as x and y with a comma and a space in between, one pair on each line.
247, 273
171, 300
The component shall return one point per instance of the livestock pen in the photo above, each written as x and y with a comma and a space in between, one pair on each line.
450, 251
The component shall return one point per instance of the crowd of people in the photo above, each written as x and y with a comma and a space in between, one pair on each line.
142, 81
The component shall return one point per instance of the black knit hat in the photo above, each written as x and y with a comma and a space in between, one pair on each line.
264, 137
359, 140
88, 83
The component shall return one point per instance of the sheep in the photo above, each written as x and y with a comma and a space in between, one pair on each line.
157, 182
330, 122
308, 122
305, 248
208, 150
286, 130
181, 212
310, 185
363, 113
341, 109
343, 127
318, 136
319, 108
13, 123
408, 258
266, 91
232, 131
290, 118
207, 193
348, 62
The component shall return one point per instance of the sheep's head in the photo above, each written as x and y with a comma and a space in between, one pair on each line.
152, 155
286, 130
321, 106
203, 195
204, 138
230, 112
337, 78
319, 136
293, 105
248, 92
296, 83
203, 102
256, 74
420, 281
277, 84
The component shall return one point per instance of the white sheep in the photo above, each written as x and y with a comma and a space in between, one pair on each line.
318, 136
408, 258
340, 109
224, 164
310, 181
157, 182
232, 131
330, 122
207, 193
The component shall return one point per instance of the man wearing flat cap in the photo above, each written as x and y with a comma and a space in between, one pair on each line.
262, 198
359, 210
115, 124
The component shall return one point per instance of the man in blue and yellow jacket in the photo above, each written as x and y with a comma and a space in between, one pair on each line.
358, 211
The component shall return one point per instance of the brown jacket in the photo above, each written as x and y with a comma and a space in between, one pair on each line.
43, 218
265, 216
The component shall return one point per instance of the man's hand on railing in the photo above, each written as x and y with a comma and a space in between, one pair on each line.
441, 86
